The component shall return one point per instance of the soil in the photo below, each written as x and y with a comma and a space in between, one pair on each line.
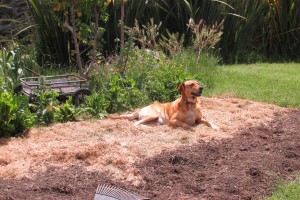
256, 148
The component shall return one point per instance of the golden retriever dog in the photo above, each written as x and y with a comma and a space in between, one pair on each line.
183, 112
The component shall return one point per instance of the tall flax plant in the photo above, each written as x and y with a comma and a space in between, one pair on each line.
240, 33
142, 11
178, 13
173, 15
51, 42
282, 32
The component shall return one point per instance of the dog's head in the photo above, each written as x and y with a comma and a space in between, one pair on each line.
190, 90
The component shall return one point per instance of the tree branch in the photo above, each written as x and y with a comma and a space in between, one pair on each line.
94, 50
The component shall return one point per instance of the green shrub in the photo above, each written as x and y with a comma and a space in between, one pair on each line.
97, 104
161, 85
49, 110
46, 101
150, 76
15, 63
15, 116
66, 111
118, 93
122, 94
205, 70
143, 61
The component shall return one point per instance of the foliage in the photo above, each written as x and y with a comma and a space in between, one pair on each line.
145, 36
141, 62
172, 43
242, 34
45, 108
204, 69
97, 104
15, 116
149, 77
81, 18
50, 41
265, 27
66, 112
281, 33
14, 64
205, 38
120, 92
253, 27
49, 110
161, 85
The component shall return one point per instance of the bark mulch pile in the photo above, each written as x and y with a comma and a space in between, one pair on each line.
257, 146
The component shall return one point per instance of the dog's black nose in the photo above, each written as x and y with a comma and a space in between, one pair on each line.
200, 90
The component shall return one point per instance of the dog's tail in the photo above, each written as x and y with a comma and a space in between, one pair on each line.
130, 116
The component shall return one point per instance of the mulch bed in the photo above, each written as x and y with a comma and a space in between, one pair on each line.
247, 166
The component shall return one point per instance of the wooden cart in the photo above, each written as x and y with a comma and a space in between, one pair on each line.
64, 85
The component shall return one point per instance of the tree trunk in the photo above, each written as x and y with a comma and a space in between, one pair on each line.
74, 34
122, 36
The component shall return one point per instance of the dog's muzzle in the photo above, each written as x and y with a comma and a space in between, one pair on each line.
198, 93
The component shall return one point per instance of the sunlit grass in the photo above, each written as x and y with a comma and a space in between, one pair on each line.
287, 191
272, 83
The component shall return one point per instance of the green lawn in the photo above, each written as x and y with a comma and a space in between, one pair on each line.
287, 191
272, 83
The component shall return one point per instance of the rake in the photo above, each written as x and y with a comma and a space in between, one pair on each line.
109, 192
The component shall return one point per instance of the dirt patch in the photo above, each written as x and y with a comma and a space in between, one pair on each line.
258, 145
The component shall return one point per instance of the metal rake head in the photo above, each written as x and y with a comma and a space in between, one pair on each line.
109, 192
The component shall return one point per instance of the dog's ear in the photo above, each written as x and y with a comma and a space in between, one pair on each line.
181, 87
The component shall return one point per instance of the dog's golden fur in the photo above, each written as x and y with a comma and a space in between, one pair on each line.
183, 112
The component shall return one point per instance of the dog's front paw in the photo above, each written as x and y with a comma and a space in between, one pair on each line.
215, 127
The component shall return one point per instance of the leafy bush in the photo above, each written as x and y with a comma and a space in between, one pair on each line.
15, 116
149, 77
161, 85
120, 93
158, 77
49, 109
205, 69
14, 64
97, 104
66, 111
45, 106
142, 62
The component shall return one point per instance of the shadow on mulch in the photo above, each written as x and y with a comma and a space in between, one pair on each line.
247, 166
56, 183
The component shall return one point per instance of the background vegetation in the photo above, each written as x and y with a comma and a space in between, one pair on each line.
252, 30
134, 52
263, 29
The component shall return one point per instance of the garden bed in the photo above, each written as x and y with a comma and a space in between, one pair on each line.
258, 145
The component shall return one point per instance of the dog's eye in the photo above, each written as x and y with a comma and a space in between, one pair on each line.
192, 85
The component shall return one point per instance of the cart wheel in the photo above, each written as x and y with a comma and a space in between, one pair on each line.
18, 89
79, 95
62, 98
